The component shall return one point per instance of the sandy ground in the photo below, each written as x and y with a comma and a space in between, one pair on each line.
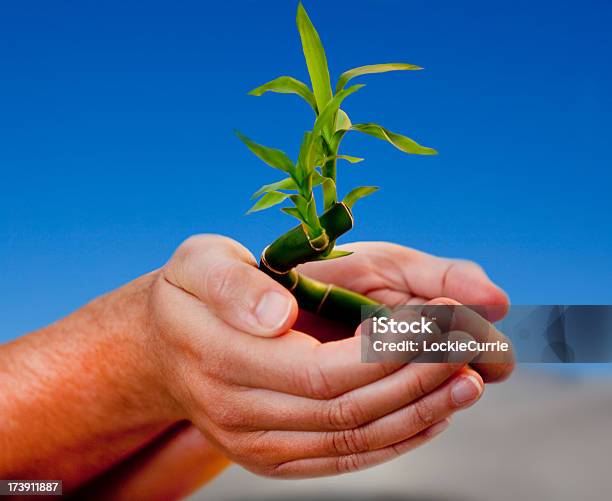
538, 436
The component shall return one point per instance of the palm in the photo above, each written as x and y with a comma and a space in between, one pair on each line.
394, 275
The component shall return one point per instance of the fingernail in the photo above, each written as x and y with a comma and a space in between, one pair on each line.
438, 428
465, 390
272, 310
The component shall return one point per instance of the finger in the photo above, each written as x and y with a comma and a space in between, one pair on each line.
494, 365
464, 281
294, 363
323, 466
222, 274
408, 271
298, 364
349, 410
457, 393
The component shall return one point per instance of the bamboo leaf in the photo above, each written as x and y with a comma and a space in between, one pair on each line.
268, 200
343, 122
313, 218
287, 85
348, 158
311, 151
317, 179
402, 143
304, 152
329, 192
301, 205
354, 160
357, 193
372, 68
315, 58
292, 211
335, 254
273, 157
336, 138
326, 119
284, 184
307, 211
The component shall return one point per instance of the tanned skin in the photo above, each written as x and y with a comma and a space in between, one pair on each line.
150, 390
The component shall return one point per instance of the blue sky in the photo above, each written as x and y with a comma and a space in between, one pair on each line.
116, 138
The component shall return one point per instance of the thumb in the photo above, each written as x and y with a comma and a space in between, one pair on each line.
223, 275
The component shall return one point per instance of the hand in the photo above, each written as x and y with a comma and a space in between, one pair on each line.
285, 406
396, 275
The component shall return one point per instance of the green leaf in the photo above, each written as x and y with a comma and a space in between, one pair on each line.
315, 58
308, 213
292, 211
317, 179
402, 143
268, 200
301, 205
336, 138
335, 254
357, 193
285, 184
329, 192
354, 160
313, 218
343, 122
274, 158
310, 151
287, 85
304, 151
348, 158
326, 119
372, 68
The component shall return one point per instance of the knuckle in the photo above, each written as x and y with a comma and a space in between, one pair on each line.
418, 384
257, 445
272, 471
348, 464
423, 413
471, 264
316, 383
344, 412
347, 442
200, 243
250, 449
193, 245
178, 265
395, 450
222, 280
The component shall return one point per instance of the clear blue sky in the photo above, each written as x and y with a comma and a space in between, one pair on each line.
116, 138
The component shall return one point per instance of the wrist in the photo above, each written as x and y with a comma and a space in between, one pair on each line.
127, 323
90, 388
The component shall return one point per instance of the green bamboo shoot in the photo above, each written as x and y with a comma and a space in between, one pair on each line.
316, 167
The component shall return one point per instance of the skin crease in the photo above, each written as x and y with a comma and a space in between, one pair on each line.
110, 391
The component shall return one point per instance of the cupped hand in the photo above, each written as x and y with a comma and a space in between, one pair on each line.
395, 275
289, 405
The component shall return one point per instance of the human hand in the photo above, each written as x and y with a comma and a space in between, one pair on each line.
395, 275
286, 406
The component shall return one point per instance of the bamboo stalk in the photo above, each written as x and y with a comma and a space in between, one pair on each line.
280, 258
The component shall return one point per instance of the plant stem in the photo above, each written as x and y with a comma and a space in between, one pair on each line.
295, 247
280, 258
329, 169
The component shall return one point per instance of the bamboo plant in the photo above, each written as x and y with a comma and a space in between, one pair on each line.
316, 168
